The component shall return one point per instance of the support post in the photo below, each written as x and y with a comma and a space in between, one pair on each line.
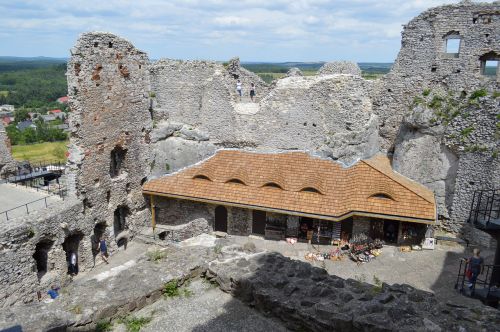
153, 217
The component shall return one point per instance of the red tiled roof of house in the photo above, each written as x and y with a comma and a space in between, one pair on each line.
54, 111
297, 183
6, 120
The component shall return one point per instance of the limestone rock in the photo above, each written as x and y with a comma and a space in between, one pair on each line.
293, 72
340, 67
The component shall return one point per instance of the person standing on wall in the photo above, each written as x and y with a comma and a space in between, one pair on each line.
239, 88
104, 250
252, 91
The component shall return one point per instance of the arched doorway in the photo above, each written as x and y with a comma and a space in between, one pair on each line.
258, 222
220, 219
41, 256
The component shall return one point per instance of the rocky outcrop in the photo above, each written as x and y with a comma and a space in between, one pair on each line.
424, 61
340, 67
292, 72
451, 144
307, 298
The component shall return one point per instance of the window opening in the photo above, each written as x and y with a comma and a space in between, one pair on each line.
382, 196
453, 45
201, 177
235, 181
272, 185
117, 159
490, 67
311, 190
489, 64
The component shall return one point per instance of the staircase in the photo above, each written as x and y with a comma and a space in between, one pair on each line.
484, 289
485, 210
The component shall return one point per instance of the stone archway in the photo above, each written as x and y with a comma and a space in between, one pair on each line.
72, 244
220, 219
41, 257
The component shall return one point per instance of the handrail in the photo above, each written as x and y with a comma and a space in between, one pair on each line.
485, 205
26, 205
483, 280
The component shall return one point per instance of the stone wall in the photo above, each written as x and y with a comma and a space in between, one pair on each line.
108, 86
18, 242
423, 62
172, 212
361, 225
306, 298
6, 161
450, 143
198, 112
239, 221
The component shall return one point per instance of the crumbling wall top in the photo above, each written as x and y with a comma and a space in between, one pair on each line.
340, 67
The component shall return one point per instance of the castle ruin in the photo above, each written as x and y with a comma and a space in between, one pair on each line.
134, 120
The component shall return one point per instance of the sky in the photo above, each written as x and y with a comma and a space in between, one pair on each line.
254, 30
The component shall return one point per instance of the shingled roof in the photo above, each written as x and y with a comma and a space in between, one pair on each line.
297, 183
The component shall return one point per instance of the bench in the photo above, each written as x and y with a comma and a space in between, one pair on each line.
452, 239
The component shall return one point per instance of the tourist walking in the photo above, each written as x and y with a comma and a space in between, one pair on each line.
239, 88
73, 264
252, 91
475, 267
104, 250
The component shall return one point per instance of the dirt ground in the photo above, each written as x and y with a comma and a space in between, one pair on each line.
430, 270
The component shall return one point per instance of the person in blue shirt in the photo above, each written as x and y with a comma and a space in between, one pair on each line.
53, 292
104, 250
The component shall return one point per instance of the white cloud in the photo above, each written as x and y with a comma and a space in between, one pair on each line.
281, 29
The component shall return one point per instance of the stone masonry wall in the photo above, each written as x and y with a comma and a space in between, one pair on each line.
108, 83
6, 161
423, 62
239, 221
18, 240
330, 115
171, 211
451, 144
361, 225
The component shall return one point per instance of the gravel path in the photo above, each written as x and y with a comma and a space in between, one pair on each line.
206, 309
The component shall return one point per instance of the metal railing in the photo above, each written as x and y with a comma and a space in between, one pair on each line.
25, 170
485, 207
6, 212
484, 287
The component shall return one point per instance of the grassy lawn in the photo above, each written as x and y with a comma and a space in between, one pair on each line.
39, 152
4, 93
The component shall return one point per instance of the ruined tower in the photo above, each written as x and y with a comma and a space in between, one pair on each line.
108, 86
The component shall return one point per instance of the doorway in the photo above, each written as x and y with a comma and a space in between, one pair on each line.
41, 257
377, 229
220, 219
258, 222
71, 245
391, 228
120, 220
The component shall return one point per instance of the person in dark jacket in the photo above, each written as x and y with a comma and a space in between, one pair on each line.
476, 263
104, 250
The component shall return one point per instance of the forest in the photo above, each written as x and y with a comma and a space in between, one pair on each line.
33, 88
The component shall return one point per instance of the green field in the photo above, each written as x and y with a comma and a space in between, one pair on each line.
47, 151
